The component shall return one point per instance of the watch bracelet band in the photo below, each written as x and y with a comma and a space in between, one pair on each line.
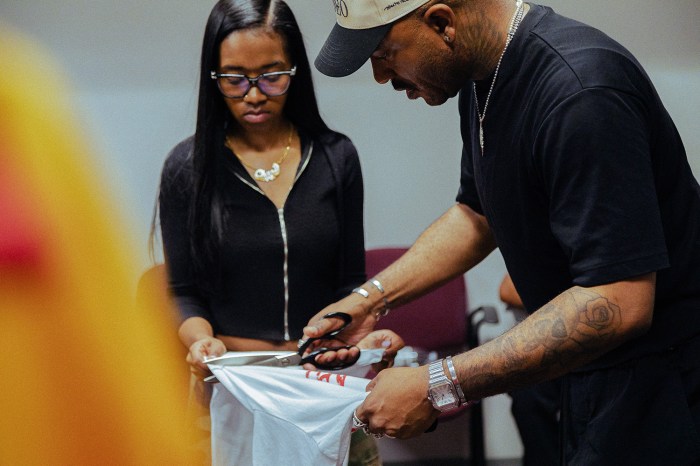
436, 373
435, 370
455, 381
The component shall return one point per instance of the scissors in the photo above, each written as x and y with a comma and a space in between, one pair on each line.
295, 358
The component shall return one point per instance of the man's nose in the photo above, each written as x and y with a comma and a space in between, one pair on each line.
382, 73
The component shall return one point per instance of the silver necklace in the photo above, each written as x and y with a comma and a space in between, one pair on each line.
514, 23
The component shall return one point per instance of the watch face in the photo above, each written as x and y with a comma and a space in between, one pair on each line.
442, 395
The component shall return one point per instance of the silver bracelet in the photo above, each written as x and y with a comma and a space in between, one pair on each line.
455, 381
362, 292
377, 284
382, 312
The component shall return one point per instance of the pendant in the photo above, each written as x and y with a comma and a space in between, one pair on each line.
267, 175
481, 137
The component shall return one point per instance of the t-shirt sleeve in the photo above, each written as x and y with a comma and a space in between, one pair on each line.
467, 193
467, 189
595, 161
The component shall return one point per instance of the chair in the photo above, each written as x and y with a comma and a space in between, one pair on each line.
438, 321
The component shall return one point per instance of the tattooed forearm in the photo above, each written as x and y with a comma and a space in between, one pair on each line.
576, 327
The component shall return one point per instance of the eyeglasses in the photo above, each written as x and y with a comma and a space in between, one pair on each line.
236, 86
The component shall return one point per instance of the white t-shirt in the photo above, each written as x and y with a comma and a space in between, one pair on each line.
265, 416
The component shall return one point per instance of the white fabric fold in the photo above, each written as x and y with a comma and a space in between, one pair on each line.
267, 415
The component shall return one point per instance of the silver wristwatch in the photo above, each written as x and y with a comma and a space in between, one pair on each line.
441, 391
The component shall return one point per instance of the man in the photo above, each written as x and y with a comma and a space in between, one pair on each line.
572, 168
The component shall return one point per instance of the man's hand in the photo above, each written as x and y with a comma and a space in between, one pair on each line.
363, 321
398, 404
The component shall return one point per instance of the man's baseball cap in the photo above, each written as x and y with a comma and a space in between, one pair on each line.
360, 27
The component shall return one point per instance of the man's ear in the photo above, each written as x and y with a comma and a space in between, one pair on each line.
441, 18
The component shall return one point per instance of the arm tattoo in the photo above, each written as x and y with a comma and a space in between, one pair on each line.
571, 330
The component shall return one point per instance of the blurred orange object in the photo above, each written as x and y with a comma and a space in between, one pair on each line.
88, 376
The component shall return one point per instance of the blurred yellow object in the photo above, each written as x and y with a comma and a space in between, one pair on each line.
88, 376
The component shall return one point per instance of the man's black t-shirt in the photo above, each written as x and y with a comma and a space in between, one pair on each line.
584, 179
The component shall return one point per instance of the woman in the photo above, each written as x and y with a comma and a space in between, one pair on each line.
261, 210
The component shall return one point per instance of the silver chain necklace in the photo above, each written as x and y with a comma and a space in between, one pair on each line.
514, 23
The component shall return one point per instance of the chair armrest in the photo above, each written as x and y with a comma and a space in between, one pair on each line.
477, 317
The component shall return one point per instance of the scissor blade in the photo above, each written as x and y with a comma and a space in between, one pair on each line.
283, 360
241, 358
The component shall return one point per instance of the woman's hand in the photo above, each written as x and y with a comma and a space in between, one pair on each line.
384, 338
207, 347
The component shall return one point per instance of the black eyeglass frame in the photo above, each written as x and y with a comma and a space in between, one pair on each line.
253, 81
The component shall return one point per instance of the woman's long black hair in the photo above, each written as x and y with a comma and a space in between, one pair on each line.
206, 222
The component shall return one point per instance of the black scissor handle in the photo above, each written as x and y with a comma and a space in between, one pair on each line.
335, 365
345, 317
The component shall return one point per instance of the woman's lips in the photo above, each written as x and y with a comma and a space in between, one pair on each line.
256, 117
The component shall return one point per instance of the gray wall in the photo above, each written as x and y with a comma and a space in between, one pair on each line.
134, 68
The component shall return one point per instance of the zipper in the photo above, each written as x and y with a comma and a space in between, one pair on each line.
285, 241
285, 269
